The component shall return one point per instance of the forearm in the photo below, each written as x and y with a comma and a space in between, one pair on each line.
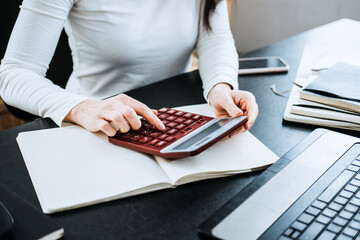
33, 93
218, 59
30, 49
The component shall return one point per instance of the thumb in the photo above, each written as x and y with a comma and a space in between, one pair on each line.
232, 109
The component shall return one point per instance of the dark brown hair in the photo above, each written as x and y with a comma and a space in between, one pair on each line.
209, 8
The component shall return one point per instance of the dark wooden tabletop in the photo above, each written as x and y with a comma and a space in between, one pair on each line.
177, 213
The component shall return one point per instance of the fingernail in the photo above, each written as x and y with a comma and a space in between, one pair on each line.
161, 126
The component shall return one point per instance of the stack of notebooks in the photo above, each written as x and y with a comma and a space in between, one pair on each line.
331, 99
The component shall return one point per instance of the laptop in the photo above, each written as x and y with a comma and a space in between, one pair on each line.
312, 192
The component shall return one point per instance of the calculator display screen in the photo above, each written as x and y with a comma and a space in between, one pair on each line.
202, 136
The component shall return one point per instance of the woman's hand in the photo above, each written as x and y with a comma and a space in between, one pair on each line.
120, 110
233, 103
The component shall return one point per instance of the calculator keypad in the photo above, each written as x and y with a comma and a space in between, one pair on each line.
177, 123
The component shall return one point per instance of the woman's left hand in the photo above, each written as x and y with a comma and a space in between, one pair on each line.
233, 103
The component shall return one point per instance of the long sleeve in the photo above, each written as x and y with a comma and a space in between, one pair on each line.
29, 52
116, 46
218, 59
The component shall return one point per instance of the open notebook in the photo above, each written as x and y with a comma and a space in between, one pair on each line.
71, 167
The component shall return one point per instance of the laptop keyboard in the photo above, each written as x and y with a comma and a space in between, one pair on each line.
334, 214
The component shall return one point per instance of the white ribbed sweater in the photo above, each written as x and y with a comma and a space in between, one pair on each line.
117, 45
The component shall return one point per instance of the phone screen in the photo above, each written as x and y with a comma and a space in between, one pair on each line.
261, 63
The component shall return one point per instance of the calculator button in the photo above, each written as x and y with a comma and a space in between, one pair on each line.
144, 132
151, 127
161, 143
172, 131
201, 121
147, 125
171, 111
154, 141
188, 115
188, 122
165, 121
180, 120
171, 118
162, 110
169, 138
186, 130
196, 117
145, 139
180, 126
136, 137
154, 134
163, 116
179, 113
163, 136
171, 124
127, 135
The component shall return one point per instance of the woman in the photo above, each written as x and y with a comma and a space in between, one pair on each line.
118, 46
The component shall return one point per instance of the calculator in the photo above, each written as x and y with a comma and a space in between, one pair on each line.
186, 134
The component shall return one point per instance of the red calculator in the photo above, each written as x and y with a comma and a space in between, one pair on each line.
186, 134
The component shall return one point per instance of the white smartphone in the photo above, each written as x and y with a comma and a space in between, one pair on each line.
262, 65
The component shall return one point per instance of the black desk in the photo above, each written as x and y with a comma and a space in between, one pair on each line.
177, 213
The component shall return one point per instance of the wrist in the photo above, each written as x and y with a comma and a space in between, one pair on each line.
74, 113
70, 116
219, 88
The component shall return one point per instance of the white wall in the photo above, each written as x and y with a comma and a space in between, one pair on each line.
256, 23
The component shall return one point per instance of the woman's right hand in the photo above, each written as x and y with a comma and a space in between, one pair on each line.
121, 110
